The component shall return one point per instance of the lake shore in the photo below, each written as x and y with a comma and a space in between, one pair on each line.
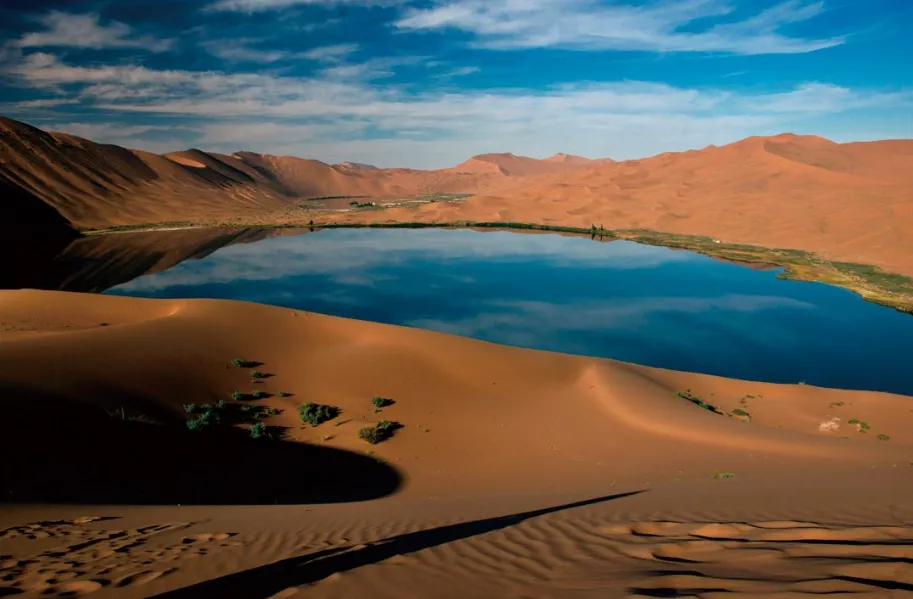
870, 282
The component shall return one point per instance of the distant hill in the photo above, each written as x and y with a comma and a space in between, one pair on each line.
851, 201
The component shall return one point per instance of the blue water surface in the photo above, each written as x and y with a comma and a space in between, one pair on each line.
638, 303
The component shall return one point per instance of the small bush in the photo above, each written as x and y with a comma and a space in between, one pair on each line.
206, 419
259, 431
221, 404
883, 437
282, 394
256, 374
316, 414
861, 425
258, 394
723, 475
686, 394
191, 408
740, 412
270, 411
242, 363
382, 402
238, 396
382, 431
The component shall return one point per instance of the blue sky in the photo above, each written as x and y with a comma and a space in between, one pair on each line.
427, 83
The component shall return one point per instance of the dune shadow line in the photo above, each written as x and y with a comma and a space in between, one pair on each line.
266, 581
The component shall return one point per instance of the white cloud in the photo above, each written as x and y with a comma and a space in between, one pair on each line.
242, 50
327, 116
251, 6
330, 53
591, 25
67, 30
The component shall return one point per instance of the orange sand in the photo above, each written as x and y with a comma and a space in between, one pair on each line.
448, 506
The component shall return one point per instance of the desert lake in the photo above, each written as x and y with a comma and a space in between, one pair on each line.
637, 303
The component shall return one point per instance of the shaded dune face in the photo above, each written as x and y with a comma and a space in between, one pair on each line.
478, 417
99, 185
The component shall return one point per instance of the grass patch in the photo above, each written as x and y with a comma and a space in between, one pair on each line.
259, 430
382, 402
861, 425
242, 363
380, 432
720, 475
741, 414
316, 414
686, 394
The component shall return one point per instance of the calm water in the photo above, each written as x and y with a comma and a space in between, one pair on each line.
637, 303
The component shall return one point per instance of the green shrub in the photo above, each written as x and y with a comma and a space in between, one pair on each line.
238, 396
282, 394
382, 402
191, 408
861, 425
270, 411
204, 420
740, 412
258, 431
221, 404
316, 414
686, 394
242, 363
258, 394
723, 475
381, 431
256, 374
883, 437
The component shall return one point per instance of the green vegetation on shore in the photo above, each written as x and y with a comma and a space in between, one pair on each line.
870, 282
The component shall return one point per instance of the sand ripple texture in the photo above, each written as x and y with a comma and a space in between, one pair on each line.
77, 558
559, 558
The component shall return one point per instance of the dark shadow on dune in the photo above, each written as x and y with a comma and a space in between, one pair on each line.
59, 452
270, 579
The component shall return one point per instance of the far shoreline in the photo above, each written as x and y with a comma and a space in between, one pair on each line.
869, 282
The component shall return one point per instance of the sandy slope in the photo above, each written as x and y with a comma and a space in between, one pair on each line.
850, 202
490, 433
97, 185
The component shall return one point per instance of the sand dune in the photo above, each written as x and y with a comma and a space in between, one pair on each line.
851, 202
99, 185
511, 477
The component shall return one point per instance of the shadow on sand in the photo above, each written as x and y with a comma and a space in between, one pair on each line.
60, 452
266, 581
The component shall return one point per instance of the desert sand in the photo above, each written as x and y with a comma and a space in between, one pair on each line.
516, 474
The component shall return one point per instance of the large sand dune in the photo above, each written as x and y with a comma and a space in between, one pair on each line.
851, 202
99, 185
511, 476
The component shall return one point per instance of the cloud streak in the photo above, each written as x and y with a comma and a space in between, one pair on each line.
68, 30
658, 26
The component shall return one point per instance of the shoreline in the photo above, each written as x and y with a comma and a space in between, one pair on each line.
869, 282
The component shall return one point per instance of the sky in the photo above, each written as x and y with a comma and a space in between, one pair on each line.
428, 83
